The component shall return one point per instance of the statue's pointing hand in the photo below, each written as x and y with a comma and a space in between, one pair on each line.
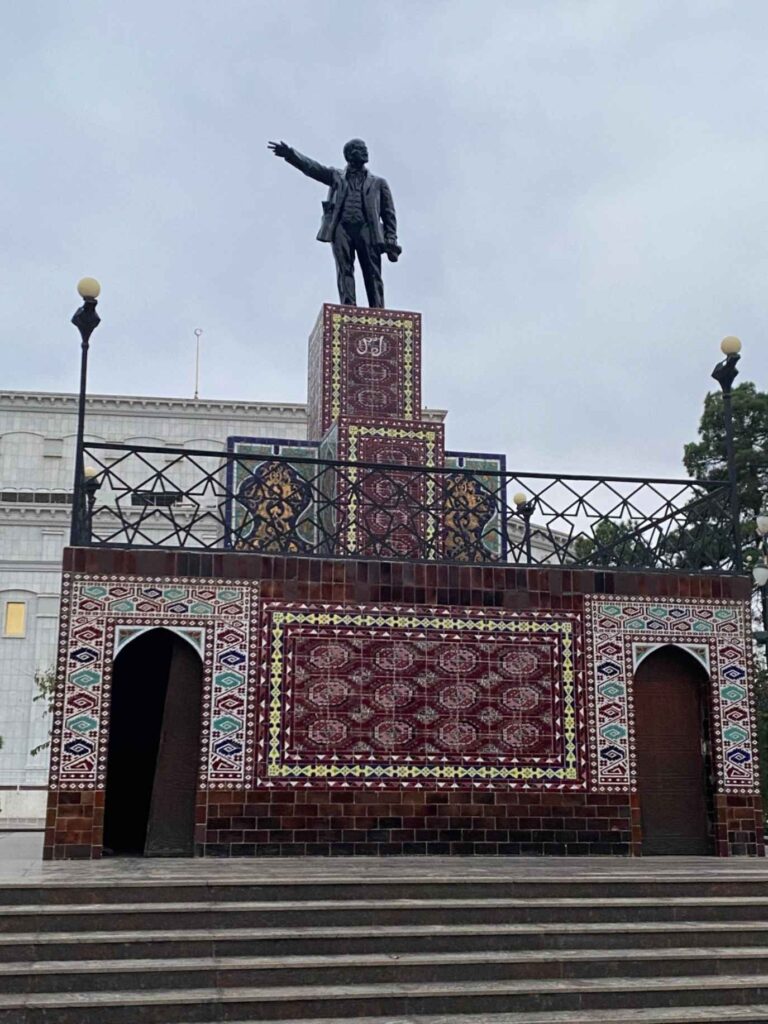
280, 149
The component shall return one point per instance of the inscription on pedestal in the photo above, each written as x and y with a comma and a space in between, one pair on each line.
364, 364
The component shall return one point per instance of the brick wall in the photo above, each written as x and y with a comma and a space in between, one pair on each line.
316, 822
325, 821
74, 824
364, 581
740, 826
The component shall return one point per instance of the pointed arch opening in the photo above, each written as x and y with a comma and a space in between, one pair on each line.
154, 747
671, 743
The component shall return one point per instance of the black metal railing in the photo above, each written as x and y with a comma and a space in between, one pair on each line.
144, 496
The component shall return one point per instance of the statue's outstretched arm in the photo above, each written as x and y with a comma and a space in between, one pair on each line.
304, 163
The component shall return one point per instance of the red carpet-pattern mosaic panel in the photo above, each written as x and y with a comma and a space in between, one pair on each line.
364, 363
394, 697
99, 615
623, 631
392, 514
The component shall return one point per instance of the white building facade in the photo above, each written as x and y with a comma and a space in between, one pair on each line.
37, 447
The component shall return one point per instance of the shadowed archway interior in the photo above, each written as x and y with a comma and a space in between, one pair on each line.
154, 740
670, 727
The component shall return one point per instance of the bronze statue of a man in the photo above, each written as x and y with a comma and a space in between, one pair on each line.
358, 218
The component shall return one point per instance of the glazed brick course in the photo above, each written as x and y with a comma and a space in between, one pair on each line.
351, 823
370, 581
74, 825
740, 826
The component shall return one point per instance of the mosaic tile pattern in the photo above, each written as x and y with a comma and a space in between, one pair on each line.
274, 505
621, 632
395, 514
363, 363
418, 697
99, 614
195, 637
475, 509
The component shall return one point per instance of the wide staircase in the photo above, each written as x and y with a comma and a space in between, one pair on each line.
662, 947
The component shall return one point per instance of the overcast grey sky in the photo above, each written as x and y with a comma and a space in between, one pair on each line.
580, 190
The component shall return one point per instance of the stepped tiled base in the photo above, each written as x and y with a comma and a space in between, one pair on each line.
364, 405
397, 747
355, 705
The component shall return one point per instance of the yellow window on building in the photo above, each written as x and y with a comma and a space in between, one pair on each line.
15, 618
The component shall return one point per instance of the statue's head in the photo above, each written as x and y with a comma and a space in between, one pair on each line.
356, 153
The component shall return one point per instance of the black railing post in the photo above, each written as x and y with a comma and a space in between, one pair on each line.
91, 484
86, 320
725, 373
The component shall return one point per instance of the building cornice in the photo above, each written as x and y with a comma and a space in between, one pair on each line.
57, 515
119, 405
29, 565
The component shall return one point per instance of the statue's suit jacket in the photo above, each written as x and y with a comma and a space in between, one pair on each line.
377, 201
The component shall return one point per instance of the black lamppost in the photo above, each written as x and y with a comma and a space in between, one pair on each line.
86, 320
525, 507
725, 373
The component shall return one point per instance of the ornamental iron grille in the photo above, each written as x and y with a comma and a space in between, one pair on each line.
143, 496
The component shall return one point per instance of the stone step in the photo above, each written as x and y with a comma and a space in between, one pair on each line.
375, 969
435, 938
352, 1002
662, 1015
635, 885
198, 943
357, 912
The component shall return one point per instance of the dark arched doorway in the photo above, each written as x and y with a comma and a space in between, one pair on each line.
670, 704
154, 747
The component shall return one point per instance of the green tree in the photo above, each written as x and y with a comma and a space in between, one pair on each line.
613, 543
705, 459
45, 683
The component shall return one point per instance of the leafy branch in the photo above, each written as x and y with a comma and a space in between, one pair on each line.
45, 682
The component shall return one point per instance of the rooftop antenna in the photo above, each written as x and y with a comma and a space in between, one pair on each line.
198, 331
